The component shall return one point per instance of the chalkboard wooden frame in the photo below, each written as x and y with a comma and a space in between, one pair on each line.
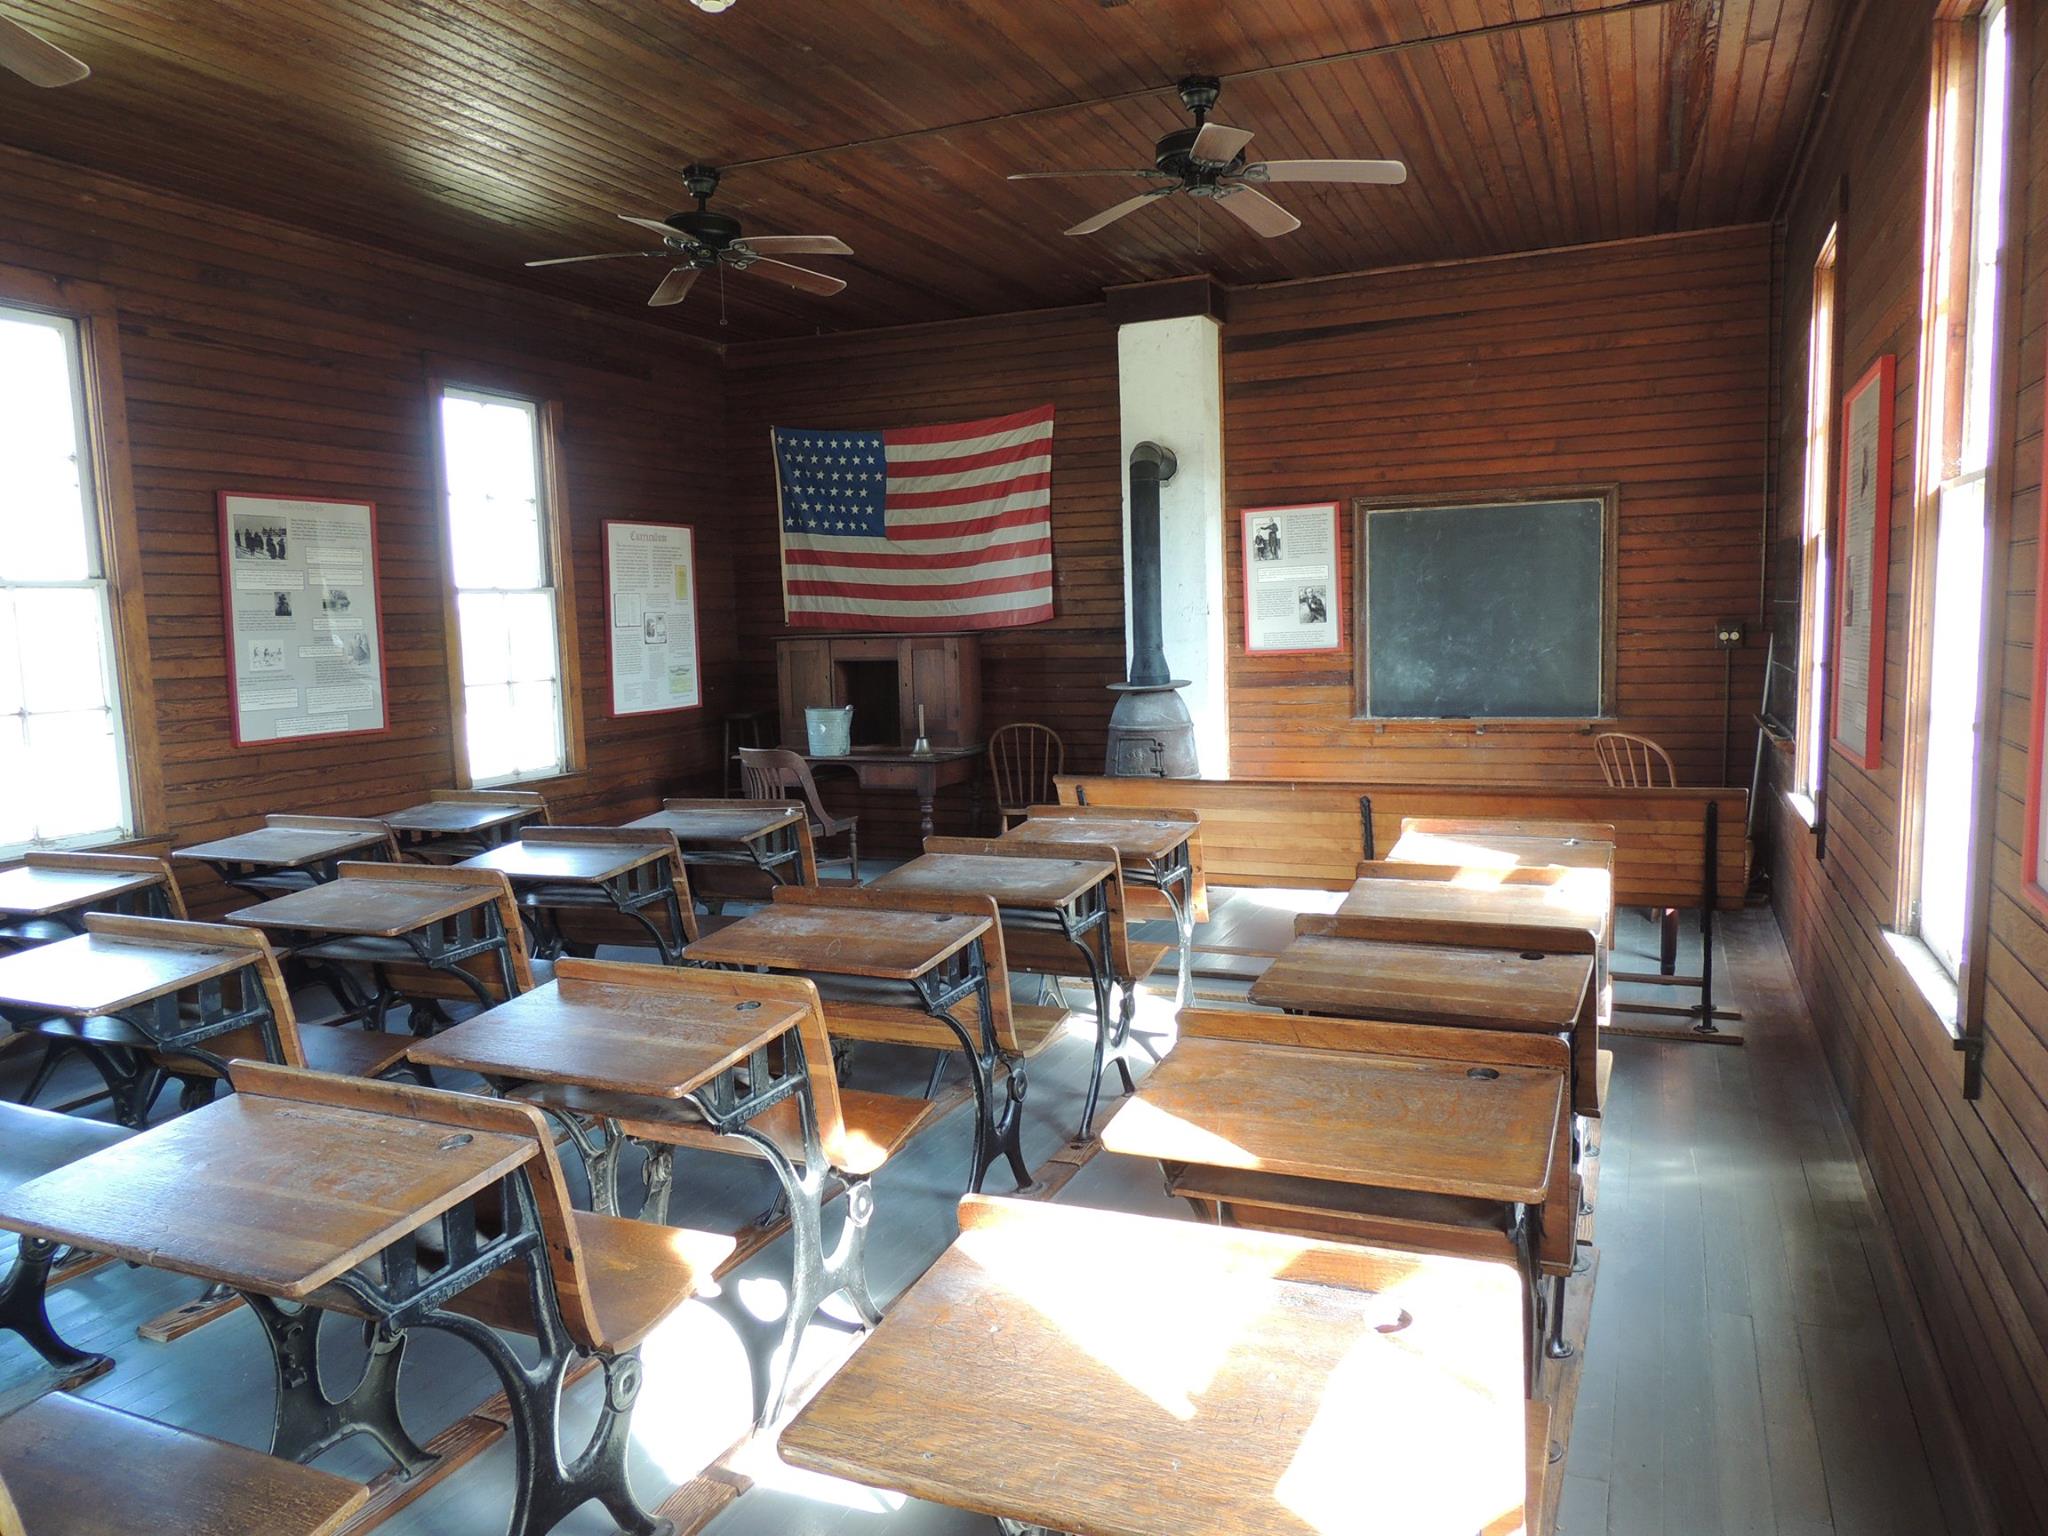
1609, 497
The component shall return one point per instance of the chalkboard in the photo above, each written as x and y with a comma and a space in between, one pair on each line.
1494, 610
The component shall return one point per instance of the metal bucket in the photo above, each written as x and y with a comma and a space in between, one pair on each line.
831, 731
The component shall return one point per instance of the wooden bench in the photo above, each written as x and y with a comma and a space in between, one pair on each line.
69, 1467
37, 1142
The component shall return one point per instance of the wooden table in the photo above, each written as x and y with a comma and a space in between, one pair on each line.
39, 902
1155, 853
931, 962
288, 853
116, 999
615, 1042
372, 921
754, 834
1066, 897
1266, 1385
456, 829
924, 774
555, 869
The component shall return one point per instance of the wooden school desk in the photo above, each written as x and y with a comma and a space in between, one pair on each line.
1110, 1375
42, 901
770, 836
289, 853
873, 961
566, 869
606, 1048
374, 916
1159, 853
1063, 897
309, 1189
455, 824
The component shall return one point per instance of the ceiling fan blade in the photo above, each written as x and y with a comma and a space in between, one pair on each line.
674, 288
1373, 173
1218, 145
668, 231
798, 245
36, 59
796, 277
1109, 216
1148, 172
1258, 210
563, 261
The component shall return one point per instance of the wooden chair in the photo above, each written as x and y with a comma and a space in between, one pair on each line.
1023, 762
1633, 762
69, 1467
771, 773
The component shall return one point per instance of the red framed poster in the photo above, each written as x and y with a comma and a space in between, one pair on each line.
650, 619
1293, 580
1863, 528
302, 616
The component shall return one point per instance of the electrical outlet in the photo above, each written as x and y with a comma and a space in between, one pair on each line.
1728, 634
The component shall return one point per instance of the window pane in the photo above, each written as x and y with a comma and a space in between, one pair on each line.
1952, 717
17, 810
492, 731
75, 773
1987, 235
486, 648
489, 452
10, 666
530, 636
537, 707
66, 637
45, 522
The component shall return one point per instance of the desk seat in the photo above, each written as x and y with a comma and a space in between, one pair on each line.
877, 1125
1390, 1218
329, 1048
77, 1468
39, 1142
892, 1024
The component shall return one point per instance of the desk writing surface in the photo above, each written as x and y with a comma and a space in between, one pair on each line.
262, 1194
619, 1039
94, 974
1038, 884
34, 890
840, 941
721, 824
1445, 905
1486, 851
1250, 1392
1389, 1122
1427, 983
526, 863
1134, 838
452, 817
358, 904
282, 847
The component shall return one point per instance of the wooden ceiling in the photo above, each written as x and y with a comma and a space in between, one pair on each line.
481, 133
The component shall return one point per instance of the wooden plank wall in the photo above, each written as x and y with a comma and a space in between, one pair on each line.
1965, 1184
1055, 673
1642, 364
259, 357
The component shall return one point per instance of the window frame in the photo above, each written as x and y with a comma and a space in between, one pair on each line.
549, 482
92, 310
1813, 717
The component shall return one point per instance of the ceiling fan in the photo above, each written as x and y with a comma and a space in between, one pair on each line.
36, 59
696, 241
1208, 160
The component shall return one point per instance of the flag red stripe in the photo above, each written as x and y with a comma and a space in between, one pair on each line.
936, 592
1016, 517
902, 468
896, 623
959, 431
908, 560
918, 501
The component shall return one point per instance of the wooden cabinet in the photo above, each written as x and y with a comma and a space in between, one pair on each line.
885, 678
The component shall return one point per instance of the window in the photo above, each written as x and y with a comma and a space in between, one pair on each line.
63, 753
1810, 741
502, 563
1966, 229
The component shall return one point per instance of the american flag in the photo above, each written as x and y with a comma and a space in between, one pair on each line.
918, 528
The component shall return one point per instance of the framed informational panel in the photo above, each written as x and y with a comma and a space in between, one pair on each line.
1863, 566
650, 581
304, 624
1487, 610
1293, 585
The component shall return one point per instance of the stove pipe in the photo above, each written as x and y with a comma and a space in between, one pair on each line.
1151, 733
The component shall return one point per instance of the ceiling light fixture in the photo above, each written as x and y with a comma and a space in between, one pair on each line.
713, 6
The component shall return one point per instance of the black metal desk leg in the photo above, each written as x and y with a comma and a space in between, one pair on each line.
307, 1421
22, 1310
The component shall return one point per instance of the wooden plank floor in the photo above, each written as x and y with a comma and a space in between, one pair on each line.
1740, 1376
